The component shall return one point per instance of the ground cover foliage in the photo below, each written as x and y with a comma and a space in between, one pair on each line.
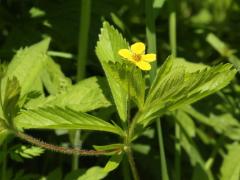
72, 108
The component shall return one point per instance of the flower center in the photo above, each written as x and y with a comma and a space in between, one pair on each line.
136, 57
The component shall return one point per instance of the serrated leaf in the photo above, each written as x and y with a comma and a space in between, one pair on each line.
53, 78
122, 77
230, 169
27, 64
59, 118
94, 173
113, 162
175, 86
86, 95
110, 41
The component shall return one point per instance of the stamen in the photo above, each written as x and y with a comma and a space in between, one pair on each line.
136, 57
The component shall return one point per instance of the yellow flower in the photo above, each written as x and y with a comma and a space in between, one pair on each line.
137, 56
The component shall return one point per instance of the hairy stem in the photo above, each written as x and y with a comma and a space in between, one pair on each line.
60, 149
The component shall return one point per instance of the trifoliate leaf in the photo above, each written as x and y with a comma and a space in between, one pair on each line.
175, 86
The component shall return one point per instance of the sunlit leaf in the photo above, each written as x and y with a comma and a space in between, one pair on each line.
113, 162
53, 78
86, 95
176, 86
110, 41
11, 97
27, 64
59, 118
94, 173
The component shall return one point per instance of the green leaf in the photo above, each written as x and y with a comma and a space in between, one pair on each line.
59, 118
141, 148
223, 49
108, 147
3, 134
110, 41
130, 79
11, 98
27, 64
72, 175
113, 162
122, 77
94, 173
20, 151
230, 169
224, 124
53, 78
192, 151
84, 96
186, 122
158, 3
218, 45
175, 86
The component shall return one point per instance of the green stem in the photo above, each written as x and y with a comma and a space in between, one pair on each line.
77, 143
173, 45
132, 164
177, 152
152, 47
215, 151
172, 33
162, 152
4, 164
125, 169
61, 54
81, 62
83, 38
151, 34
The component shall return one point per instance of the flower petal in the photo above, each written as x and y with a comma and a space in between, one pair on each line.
125, 53
149, 57
143, 65
138, 48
